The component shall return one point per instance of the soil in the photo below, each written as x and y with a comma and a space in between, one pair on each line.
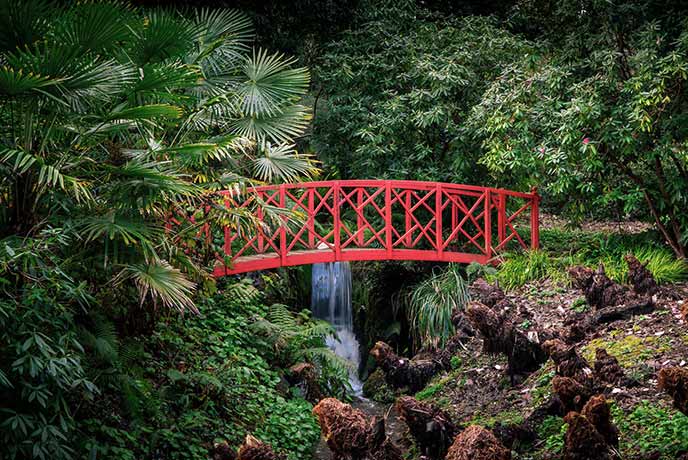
478, 390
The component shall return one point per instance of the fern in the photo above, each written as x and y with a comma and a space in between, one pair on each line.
295, 340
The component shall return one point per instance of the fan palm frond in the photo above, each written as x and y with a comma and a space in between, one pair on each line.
165, 35
282, 163
95, 26
161, 283
23, 23
48, 175
279, 127
270, 82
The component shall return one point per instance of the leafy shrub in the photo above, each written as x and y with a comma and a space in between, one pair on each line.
205, 379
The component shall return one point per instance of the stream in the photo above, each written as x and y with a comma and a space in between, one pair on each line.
331, 301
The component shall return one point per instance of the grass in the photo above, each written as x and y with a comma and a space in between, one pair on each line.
521, 268
562, 249
432, 302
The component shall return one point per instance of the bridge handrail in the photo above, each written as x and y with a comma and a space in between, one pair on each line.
430, 210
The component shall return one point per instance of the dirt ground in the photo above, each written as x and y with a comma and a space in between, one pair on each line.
478, 390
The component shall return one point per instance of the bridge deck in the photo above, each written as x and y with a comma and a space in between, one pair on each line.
267, 261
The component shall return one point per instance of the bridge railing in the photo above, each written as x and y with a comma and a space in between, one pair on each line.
376, 220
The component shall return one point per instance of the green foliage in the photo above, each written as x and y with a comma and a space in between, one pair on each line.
396, 92
521, 268
553, 431
118, 117
200, 380
595, 117
431, 304
565, 248
652, 428
299, 338
292, 428
663, 265
429, 391
113, 119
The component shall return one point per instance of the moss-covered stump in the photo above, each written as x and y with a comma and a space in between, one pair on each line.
375, 387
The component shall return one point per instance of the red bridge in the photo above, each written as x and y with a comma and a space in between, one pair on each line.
376, 220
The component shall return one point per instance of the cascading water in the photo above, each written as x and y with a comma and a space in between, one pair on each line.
331, 301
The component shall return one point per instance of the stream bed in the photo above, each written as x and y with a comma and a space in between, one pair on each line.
331, 301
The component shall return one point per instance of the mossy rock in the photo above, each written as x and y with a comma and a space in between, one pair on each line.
377, 389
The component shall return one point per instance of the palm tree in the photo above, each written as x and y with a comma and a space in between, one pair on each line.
114, 116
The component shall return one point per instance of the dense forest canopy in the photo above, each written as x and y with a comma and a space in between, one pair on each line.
584, 99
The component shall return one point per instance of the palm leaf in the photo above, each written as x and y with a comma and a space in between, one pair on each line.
270, 83
14, 82
23, 22
160, 282
146, 112
95, 26
281, 127
165, 35
283, 164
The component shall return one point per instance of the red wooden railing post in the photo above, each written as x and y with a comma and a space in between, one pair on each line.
227, 248
261, 236
337, 223
359, 217
438, 220
311, 218
388, 218
407, 213
283, 226
487, 196
501, 219
535, 219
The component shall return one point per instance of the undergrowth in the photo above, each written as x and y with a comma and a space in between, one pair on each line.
200, 380
562, 249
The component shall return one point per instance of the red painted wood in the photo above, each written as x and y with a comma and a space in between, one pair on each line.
355, 220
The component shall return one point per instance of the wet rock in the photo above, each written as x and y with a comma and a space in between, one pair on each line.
403, 372
572, 394
304, 376
583, 441
477, 443
431, 427
591, 435
222, 451
596, 410
674, 381
607, 368
490, 295
568, 362
598, 289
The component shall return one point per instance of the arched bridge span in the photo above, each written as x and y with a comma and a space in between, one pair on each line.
353, 220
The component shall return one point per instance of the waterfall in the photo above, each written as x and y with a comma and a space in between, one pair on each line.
331, 301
